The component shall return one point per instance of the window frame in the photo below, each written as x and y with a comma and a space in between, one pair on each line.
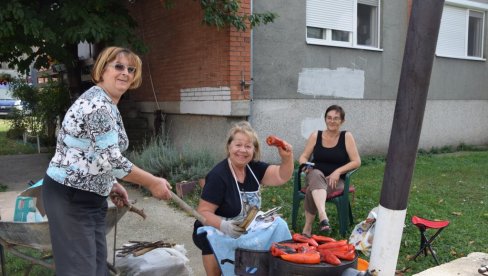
352, 43
467, 6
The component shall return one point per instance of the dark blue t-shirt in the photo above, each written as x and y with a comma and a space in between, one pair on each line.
220, 187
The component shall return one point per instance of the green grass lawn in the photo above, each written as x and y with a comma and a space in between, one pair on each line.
451, 186
448, 186
9, 146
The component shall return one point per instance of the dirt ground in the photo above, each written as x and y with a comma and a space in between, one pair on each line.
163, 221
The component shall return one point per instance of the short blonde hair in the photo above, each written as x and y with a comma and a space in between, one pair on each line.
245, 128
108, 55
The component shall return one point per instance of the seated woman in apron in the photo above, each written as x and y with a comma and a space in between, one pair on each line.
231, 189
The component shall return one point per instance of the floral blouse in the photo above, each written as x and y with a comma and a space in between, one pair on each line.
90, 145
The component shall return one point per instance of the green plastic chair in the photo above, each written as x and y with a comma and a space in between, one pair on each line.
339, 198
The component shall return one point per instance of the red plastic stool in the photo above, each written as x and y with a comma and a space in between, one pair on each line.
424, 224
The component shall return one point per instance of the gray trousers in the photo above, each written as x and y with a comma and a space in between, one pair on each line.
317, 180
77, 228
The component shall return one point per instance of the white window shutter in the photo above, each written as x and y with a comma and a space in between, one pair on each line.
452, 32
331, 14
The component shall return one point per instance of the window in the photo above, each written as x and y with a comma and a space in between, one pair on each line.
475, 34
461, 33
346, 23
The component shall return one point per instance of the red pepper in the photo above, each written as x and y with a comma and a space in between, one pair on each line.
322, 239
303, 258
333, 244
301, 238
343, 248
275, 141
278, 250
306, 248
348, 256
294, 245
327, 257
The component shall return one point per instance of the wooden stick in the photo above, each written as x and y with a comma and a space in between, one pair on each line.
183, 205
143, 251
138, 248
131, 207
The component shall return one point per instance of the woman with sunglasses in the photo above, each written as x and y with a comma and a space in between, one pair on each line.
86, 165
334, 154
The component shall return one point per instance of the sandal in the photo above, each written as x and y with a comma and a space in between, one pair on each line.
324, 226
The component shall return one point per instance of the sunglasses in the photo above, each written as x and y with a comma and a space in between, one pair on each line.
121, 67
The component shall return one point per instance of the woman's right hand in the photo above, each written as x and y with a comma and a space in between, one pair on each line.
161, 189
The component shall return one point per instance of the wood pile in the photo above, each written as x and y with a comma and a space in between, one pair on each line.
138, 248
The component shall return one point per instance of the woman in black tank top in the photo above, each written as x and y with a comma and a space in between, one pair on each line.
334, 153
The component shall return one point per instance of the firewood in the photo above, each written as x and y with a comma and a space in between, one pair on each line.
138, 248
140, 212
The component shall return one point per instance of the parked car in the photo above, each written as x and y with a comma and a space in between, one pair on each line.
8, 103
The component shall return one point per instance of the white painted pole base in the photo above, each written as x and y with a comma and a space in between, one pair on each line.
386, 243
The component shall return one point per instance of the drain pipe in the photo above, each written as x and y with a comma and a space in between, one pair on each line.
159, 116
251, 86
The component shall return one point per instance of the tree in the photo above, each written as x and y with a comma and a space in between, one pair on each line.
43, 31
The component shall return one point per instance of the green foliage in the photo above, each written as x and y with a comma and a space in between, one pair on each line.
28, 118
161, 158
12, 146
37, 32
450, 149
43, 106
17, 127
227, 13
192, 165
17, 266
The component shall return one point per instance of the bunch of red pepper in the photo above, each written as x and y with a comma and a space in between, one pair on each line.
313, 250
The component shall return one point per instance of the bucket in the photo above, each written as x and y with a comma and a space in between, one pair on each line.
278, 266
362, 264
23, 206
251, 262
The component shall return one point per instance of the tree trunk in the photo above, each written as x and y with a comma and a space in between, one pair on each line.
73, 72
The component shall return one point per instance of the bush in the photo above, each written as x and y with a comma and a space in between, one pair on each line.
43, 106
17, 128
161, 158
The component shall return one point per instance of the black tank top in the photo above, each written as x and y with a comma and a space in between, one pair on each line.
328, 160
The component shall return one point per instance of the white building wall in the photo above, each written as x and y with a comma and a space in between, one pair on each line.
445, 123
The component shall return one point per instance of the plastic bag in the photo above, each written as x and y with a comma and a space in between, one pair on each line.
363, 233
157, 262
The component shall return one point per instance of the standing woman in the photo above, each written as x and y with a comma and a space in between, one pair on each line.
86, 165
334, 154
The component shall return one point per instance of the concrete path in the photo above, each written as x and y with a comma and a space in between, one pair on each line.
17, 170
163, 221
466, 266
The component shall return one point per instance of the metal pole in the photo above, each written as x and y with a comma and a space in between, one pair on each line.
418, 58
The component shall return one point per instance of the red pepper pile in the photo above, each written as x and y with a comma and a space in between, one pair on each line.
314, 250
